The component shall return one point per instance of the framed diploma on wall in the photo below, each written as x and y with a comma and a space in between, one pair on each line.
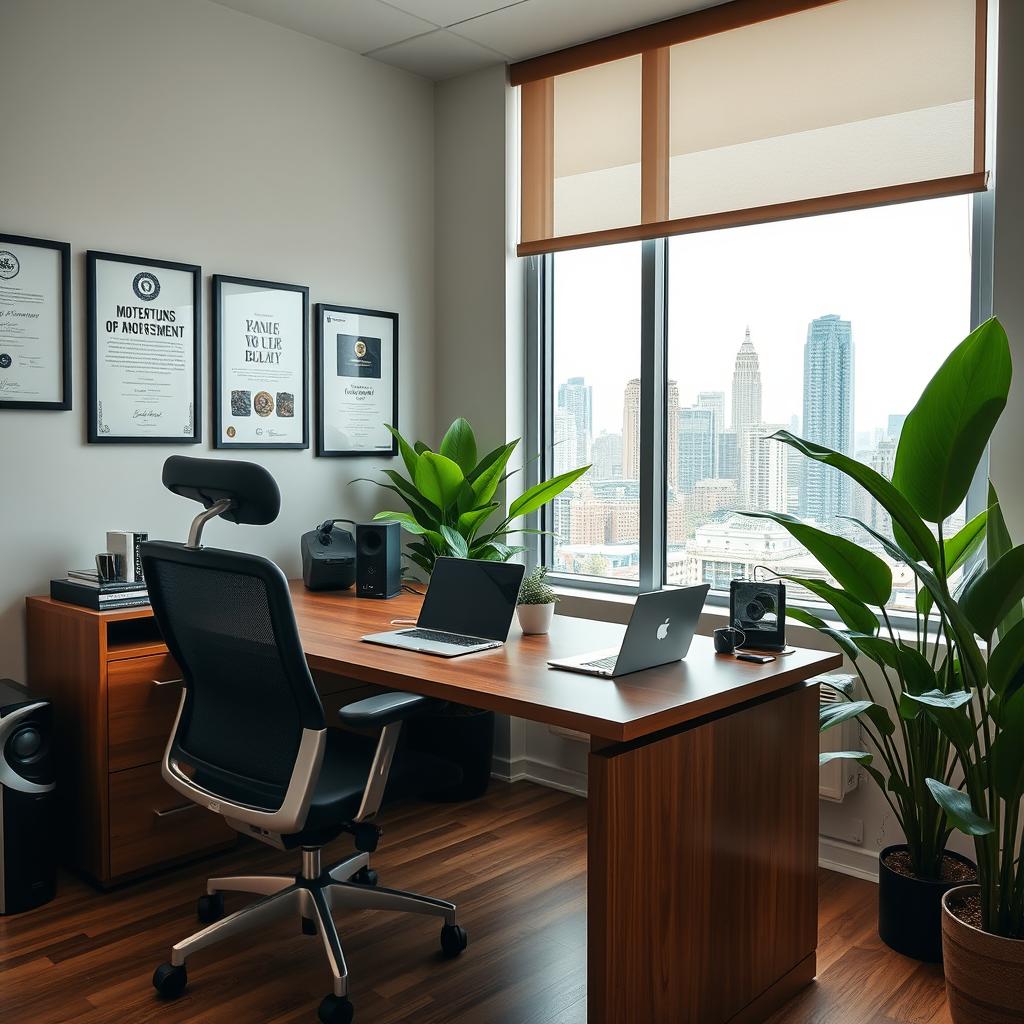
35, 323
261, 363
144, 354
357, 381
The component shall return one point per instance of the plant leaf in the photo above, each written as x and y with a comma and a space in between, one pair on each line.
999, 543
1008, 750
417, 503
958, 548
854, 613
914, 670
540, 494
409, 456
860, 572
860, 756
457, 545
438, 479
485, 481
406, 520
459, 445
945, 434
922, 543
831, 715
419, 447
957, 806
845, 641
470, 522
1006, 662
804, 616
938, 699
993, 595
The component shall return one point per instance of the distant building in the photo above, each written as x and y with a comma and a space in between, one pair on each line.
895, 426
606, 455
565, 438
711, 497
576, 398
746, 387
696, 447
715, 401
672, 435
764, 469
631, 431
728, 456
828, 415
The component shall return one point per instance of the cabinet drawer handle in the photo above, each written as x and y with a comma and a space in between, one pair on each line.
167, 682
175, 810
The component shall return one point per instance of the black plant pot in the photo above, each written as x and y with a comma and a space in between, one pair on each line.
910, 909
460, 734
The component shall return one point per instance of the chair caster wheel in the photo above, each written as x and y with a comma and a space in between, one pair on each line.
453, 940
309, 926
210, 908
170, 981
335, 1010
365, 876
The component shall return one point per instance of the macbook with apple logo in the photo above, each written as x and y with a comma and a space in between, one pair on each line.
660, 631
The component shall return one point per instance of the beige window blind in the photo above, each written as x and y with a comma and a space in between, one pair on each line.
750, 111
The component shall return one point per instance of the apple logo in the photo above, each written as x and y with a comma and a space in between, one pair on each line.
663, 630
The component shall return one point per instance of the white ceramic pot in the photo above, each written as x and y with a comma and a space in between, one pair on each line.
535, 618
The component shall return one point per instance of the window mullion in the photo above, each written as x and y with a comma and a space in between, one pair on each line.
653, 413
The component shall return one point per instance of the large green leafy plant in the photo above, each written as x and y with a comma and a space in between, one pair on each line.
454, 498
953, 746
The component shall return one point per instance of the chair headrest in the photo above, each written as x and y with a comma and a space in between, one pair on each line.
253, 492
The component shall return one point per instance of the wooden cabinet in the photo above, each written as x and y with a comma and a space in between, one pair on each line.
115, 693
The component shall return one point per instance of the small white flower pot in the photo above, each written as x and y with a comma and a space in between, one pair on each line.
535, 618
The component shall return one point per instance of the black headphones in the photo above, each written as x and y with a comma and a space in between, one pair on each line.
323, 531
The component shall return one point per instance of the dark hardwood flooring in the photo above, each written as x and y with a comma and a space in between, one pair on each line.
515, 862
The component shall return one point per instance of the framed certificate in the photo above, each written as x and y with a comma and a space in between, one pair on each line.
357, 381
35, 323
261, 363
144, 356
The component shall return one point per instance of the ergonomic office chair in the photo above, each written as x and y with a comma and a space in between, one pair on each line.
250, 742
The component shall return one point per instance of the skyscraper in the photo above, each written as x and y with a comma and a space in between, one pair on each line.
715, 401
565, 452
606, 455
728, 456
764, 468
576, 398
672, 436
631, 431
895, 427
746, 387
828, 414
696, 452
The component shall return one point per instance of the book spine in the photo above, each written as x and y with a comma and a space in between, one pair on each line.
139, 539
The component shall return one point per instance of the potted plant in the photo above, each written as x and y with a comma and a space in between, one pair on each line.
536, 607
454, 509
932, 673
452, 498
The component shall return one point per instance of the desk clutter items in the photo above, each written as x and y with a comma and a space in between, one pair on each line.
328, 556
116, 582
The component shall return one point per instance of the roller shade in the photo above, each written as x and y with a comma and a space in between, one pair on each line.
751, 111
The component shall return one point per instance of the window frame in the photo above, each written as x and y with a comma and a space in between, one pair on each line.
540, 404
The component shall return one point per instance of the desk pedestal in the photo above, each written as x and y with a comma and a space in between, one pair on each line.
702, 889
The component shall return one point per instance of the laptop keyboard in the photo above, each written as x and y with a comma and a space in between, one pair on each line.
443, 638
608, 663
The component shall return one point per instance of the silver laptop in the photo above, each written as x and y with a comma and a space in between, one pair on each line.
660, 631
468, 607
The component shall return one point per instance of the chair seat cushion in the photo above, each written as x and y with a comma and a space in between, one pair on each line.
343, 776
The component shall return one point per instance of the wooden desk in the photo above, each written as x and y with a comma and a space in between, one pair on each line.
702, 809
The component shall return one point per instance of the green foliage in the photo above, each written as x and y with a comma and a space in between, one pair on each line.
450, 495
954, 757
535, 588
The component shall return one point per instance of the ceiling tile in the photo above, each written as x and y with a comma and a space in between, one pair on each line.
358, 25
540, 26
450, 12
438, 55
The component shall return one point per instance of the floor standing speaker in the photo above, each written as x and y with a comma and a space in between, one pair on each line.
378, 559
28, 867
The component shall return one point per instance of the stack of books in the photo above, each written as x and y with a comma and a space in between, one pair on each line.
83, 587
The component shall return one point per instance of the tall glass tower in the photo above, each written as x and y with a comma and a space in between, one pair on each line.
828, 415
746, 387
575, 396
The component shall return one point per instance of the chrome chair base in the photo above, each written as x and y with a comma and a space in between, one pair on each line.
312, 895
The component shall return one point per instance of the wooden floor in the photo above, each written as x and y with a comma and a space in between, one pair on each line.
515, 863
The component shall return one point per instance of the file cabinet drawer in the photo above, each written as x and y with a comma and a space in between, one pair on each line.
151, 824
142, 700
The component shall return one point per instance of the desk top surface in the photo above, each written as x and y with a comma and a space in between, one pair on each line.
516, 680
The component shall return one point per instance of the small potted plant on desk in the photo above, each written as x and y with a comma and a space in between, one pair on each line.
536, 607
947, 746
456, 503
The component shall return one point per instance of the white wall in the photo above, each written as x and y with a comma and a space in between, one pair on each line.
186, 131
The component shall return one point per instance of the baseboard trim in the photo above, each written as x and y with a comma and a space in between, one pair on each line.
527, 769
847, 859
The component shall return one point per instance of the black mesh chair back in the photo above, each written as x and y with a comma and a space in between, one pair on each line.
228, 621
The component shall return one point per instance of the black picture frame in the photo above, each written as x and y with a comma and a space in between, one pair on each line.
216, 284
321, 449
64, 249
96, 436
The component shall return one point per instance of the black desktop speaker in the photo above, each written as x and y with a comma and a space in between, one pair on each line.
28, 842
378, 559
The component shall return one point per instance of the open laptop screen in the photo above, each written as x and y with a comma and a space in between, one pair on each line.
469, 596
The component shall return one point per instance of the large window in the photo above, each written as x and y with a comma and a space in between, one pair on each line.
827, 326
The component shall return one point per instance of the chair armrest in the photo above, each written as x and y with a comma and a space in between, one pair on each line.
383, 709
